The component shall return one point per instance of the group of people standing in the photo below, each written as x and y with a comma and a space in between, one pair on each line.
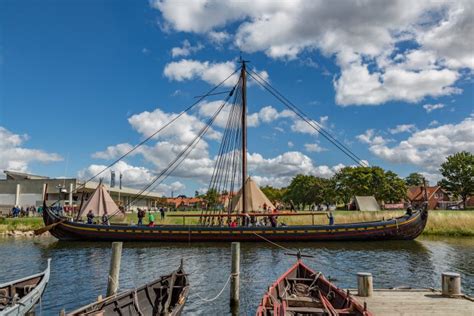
141, 214
17, 211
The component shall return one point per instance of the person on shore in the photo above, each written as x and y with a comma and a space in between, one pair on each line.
151, 220
140, 215
105, 220
90, 217
162, 213
331, 218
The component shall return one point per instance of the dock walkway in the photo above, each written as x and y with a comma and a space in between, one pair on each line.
419, 302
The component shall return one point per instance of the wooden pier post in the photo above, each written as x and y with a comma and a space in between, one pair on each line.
235, 277
451, 283
114, 271
364, 284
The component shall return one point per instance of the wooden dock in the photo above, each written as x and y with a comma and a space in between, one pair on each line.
419, 302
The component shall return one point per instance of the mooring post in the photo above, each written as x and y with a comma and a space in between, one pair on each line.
234, 278
62, 312
114, 271
451, 283
364, 284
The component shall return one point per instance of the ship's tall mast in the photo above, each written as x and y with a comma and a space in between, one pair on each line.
243, 74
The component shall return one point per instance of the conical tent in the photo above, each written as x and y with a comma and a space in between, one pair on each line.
100, 203
255, 199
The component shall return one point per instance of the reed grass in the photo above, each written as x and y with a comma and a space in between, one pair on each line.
440, 223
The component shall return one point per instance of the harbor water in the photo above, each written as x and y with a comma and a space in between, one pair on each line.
79, 269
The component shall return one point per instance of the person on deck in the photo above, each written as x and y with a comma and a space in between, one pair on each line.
140, 215
331, 218
233, 224
105, 220
151, 220
409, 210
162, 213
90, 217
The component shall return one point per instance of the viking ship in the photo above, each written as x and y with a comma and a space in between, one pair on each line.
302, 291
164, 296
20, 296
230, 174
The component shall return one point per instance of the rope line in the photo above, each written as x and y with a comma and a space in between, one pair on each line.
220, 292
209, 93
313, 124
273, 243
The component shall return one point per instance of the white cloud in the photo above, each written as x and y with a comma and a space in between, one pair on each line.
314, 148
212, 73
431, 107
133, 176
186, 50
370, 138
304, 127
279, 171
433, 123
15, 157
403, 128
113, 152
363, 35
218, 38
290, 145
426, 148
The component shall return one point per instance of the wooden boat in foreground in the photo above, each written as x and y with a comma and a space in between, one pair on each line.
302, 291
20, 296
164, 296
406, 227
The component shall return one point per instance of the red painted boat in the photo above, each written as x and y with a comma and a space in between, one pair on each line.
302, 291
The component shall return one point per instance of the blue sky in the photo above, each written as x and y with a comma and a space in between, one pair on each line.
394, 83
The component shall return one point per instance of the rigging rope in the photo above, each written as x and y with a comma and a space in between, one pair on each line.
209, 93
313, 124
220, 292
175, 163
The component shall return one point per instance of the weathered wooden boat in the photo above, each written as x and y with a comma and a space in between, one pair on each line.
302, 291
405, 227
165, 296
20, 296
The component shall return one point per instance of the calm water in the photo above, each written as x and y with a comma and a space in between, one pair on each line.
79, 270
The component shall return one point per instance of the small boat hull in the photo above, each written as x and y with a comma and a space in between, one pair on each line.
302, 291
165, 296
28, 291
403, 228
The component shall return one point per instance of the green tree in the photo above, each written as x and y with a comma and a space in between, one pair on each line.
414, 179
299, 190
273, 194
383, 185
212, 198
458, 175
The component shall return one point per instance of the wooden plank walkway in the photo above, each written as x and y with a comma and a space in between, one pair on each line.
419, 302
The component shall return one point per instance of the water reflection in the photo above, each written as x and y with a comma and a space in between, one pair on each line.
79, 270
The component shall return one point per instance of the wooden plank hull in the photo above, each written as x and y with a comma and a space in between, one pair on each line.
164, 296
27, 290
302, 291
402, 228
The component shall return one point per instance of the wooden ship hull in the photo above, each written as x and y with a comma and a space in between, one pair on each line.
20, 296
164, 296
302, 291
402, 228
